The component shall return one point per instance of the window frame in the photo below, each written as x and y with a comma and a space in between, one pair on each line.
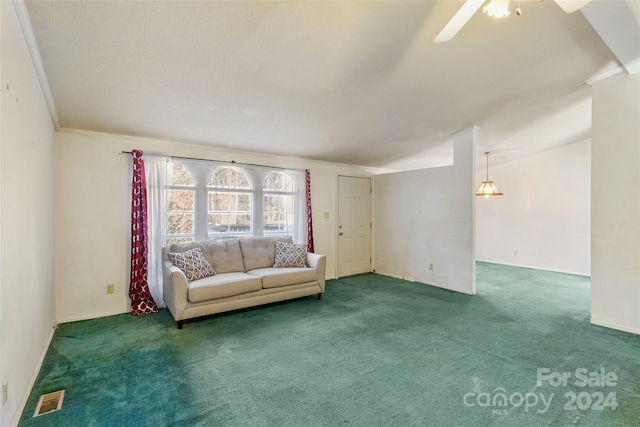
181, 187
201, 170
229, 190
291, 193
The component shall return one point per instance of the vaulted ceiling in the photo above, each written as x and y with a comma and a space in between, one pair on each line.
350, 82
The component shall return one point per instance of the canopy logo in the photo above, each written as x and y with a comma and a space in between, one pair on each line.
499, 399
597, 400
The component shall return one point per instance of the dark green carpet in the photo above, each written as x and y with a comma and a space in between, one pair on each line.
375, 351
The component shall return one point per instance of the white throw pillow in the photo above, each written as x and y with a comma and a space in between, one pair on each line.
290, 255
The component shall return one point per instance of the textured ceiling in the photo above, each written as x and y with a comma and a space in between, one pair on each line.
350, 82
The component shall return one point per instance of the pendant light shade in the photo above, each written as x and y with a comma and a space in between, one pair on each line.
488, 188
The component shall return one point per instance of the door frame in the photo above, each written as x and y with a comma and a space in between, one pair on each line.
337, 219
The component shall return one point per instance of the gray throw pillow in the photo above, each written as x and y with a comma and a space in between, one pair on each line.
192, 263
290, 255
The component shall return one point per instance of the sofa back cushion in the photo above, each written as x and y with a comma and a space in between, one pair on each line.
181, 247
223, 255
260, 252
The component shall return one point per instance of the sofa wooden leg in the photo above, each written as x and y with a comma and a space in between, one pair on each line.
179, 324
319, 297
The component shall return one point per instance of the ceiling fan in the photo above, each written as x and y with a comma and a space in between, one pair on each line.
495, 8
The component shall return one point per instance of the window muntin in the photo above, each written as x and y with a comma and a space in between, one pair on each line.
278, 204
181, 204
229, 204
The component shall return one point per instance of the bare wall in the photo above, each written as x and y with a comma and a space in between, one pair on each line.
426, 217
27, 310
543, 219
615, 204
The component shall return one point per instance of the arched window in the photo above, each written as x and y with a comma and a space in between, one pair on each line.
229, 204
209, 200
278, 193
181, 204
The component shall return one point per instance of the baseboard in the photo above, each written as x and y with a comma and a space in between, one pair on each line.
413, 279
395, 276
615, 326
32, 381
91, 316
534, 268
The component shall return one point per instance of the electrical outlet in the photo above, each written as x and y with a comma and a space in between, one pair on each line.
430, 266
5, 392
110, 288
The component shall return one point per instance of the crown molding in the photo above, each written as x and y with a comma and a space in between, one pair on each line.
30, 38
602, 76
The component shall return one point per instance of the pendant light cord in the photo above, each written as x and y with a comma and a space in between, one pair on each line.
487, 153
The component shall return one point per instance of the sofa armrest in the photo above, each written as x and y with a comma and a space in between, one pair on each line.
174, 289
318, 262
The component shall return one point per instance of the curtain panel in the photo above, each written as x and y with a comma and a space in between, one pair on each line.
156, 173
309, 220
141, 300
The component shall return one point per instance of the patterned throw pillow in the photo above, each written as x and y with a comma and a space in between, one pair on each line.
192, 263
290, 255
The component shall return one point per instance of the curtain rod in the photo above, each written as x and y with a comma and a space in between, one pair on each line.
232, 162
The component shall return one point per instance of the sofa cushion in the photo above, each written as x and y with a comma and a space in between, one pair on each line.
277, 277
223, 255
290, 255
259, 252
223, 285
182, 247
192, 263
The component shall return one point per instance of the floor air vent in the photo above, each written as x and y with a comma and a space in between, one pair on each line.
49, 402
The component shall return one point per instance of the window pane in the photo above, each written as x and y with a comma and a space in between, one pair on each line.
228, 178
277, 213
178, 175
277, 209
180, 223
278, 181
229, 223
278, 203
237, 202
180, 200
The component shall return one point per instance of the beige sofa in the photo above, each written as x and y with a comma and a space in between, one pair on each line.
245, 277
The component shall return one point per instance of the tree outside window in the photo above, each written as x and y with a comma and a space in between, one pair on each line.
230, 200
181, 204
209, 200
278, 198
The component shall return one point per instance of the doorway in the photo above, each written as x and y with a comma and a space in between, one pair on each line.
354, 225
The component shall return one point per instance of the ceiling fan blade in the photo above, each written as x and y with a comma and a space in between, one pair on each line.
459, 19
571, 6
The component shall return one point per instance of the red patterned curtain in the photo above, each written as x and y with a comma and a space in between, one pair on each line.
309, 220
141, 300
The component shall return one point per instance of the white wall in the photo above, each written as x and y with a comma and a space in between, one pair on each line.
27, 310
543, 219
426, 217
615, 203
92, 214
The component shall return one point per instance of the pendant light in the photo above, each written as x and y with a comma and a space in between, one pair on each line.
488, 188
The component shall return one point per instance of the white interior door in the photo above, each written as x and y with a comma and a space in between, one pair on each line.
354, 225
